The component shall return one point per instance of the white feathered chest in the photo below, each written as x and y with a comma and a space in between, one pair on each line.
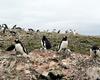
64, 44
19, 48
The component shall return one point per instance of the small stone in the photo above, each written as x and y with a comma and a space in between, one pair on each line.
27, 71
45, 73
20, 67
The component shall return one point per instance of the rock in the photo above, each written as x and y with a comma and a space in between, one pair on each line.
34, 77
47, 66
20, 67
45, 73
12, 64
1, 39
27, 66
52, 64
27, 72
93, 73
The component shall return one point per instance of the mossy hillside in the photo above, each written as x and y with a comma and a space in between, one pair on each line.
78, 43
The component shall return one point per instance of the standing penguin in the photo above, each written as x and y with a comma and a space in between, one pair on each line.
18, 46
94, 51
45, 43
63, 44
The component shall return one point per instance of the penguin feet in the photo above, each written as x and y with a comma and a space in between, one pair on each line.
25, 55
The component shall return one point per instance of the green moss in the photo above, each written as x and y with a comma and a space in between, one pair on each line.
80, 44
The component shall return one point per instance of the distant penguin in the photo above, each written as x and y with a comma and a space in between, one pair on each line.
94, 51
63, 44
45, 43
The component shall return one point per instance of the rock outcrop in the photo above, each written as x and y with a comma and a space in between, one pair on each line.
48, 66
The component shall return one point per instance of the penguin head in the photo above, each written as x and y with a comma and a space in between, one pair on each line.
95, 47
17, 41
44, 38
64, 38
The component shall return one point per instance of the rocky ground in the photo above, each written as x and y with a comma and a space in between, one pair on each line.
48, 65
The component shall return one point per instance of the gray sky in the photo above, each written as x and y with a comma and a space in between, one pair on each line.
82, 15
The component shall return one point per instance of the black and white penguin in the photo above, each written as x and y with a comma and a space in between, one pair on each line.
5, 27
94, 51
45, 43
63, 44
18, 46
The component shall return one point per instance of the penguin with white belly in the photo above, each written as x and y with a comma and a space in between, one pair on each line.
94, 51
63, 44
18, 47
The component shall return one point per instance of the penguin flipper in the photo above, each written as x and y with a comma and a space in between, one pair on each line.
10, 48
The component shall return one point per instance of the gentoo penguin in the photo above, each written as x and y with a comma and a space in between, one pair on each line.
94, 51
18, 46
63, 44
45, 43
